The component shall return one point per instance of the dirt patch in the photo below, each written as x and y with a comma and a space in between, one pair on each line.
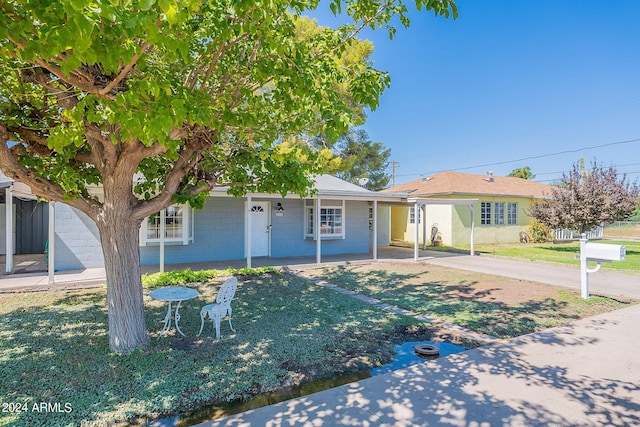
509, 292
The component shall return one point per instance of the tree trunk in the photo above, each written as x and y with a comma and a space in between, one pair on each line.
120, 245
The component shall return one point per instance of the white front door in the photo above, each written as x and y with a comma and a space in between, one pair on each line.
260, 228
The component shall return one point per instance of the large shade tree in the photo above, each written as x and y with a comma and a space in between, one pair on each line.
159, 101
587, 198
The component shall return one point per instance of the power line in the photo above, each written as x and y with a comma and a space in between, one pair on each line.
541, 156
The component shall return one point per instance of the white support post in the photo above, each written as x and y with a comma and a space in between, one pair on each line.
249, 231
473, 223
9, 228
375, 230
423, 216
416, 244
51, 245
584, 271
163, 230
318, 232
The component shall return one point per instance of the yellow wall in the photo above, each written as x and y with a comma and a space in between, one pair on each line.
454, 222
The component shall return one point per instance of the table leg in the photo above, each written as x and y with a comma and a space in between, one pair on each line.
167, 321
178, 319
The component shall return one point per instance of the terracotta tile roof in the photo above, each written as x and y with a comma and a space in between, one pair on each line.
450, 183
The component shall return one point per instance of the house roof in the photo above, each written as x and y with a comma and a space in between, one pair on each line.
458, 183
5, 181
328, 186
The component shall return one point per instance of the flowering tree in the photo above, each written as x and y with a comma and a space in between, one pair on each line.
586, 199
188, 94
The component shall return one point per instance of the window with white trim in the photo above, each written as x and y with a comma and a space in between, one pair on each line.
485, 213
512, 213
499, 213
178, 226
331, 220
412, 215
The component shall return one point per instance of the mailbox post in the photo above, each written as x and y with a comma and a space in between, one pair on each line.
598, 252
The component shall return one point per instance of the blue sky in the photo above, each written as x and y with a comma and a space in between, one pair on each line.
510, 80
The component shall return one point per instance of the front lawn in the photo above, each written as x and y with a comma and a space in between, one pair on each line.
498, 306
564, 253
54, 350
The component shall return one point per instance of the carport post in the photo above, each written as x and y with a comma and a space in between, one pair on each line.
416, 244
249, 231
375, 230
163, 231
51, 243
473, 223
316, 226
424, 226
9, 228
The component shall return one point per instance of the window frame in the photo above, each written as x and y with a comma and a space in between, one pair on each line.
412, 215
186, 227
485, 213
310, 220
499, 213
512, 213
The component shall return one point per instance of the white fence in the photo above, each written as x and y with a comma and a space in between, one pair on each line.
564, 234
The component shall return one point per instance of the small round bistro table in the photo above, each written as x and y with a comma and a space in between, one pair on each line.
173, 294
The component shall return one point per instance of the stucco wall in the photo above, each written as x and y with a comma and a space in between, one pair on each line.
454, 222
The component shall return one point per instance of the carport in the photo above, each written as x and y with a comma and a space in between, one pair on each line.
421, 202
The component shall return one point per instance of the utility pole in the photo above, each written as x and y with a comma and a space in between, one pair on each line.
393, 172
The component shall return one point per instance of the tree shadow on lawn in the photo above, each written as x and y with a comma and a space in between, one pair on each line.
459, 302
288, 331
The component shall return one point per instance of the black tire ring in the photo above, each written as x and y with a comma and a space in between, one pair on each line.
427, 349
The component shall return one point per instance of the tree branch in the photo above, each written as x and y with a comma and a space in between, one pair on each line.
124, 71
188, 159
40, 186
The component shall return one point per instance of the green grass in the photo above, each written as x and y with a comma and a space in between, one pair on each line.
54, 348
564, 253
471, 300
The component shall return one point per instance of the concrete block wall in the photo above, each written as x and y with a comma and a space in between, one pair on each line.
77, 240
218, 235
287, 237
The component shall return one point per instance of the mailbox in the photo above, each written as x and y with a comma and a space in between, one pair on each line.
604, 252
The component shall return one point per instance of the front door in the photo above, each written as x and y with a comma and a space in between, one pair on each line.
260, 228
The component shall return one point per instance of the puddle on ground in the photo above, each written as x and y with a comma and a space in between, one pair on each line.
405, 357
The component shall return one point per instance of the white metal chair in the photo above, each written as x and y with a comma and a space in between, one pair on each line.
222, 306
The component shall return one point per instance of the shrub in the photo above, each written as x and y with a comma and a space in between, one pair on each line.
539, 232
180, 277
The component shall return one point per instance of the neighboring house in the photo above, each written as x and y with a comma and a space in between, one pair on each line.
230, 228
499, 205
